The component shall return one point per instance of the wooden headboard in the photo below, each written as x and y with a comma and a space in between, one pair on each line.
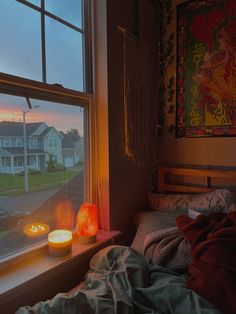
164, 183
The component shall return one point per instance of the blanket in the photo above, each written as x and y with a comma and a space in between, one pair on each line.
213, 265
168, 248
120, 281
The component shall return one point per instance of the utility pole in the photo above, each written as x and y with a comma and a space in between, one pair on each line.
26, 174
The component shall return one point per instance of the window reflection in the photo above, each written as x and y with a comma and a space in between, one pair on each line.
67, 10
55, 168
64, 55
20, 44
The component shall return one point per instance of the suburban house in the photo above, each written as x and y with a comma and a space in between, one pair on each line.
72, 148
41, 141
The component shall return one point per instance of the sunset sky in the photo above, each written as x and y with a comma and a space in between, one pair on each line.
63, 117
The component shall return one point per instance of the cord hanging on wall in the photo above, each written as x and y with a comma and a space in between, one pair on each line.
135, 83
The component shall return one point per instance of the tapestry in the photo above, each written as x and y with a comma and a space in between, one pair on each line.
206, 68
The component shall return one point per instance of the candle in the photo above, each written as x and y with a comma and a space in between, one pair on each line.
60, 243
35, 229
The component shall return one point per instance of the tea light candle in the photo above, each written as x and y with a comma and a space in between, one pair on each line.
33, 230
60, 243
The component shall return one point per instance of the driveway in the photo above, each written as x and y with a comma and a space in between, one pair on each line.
26, 203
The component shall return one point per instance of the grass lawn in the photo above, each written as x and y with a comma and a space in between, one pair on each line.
10, 185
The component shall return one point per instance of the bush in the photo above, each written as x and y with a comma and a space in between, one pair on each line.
30, 171
53, 166
34, 171
59, 167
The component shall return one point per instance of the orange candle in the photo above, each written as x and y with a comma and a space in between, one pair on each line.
60, 243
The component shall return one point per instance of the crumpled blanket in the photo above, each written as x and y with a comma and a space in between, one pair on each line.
213, 265
120, 281
168, 248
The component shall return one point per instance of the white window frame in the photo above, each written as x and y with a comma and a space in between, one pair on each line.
98, 146
7, 142
19, 142
57, 93
52, 142
6, 162
35, 141
17, 163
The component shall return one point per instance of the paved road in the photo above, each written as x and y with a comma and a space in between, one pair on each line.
27, 202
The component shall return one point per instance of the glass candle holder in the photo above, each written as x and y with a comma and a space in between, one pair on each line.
60, 243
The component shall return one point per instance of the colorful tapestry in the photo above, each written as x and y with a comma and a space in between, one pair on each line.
206, 68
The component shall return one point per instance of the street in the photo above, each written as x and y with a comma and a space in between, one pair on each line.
26, 203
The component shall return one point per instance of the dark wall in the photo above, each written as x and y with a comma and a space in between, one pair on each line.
128, 182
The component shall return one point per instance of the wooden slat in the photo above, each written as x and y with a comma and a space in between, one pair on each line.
208, 174
199, 172
184, 189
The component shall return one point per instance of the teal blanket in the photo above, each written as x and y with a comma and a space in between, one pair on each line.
120, 281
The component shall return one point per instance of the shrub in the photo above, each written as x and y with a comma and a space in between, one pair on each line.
34, 171
53, 166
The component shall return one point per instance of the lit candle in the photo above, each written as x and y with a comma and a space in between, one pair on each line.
35, 229
60, 243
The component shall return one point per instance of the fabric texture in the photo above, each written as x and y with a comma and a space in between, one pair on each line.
168, 248
122, 281
221, 200
150, 221
213, 266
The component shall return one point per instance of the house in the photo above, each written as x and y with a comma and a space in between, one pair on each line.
41, 141
72, 149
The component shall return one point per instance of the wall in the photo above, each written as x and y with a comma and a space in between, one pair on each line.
128, 182
203, 151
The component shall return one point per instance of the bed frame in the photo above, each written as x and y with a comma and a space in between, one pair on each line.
165, 175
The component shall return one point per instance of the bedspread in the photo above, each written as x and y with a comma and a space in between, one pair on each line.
213, 265
168, 248
121, 282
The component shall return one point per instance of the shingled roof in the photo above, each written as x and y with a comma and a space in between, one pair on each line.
8, 128
69, 140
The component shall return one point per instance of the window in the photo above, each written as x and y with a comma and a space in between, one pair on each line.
35, 141
19, 142
32, 161
52, 142
45, 93
7, 142
6, 162
18, 161
51, 50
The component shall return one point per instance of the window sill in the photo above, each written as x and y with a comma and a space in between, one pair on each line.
42, 276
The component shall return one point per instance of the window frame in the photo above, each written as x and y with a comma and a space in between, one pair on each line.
85, 31
38, 90
99, 179
19, 86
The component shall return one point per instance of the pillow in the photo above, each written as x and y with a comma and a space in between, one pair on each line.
193, 213
219, 200
147, 222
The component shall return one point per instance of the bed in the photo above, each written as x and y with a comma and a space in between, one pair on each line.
182, 258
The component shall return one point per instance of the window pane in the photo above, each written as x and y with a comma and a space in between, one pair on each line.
36, 2
67, 10
64, 58
20, 37
55, 172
